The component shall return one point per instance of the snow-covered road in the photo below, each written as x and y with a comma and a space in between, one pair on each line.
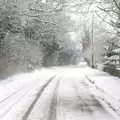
69, 93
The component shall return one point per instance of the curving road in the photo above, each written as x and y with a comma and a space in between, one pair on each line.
55, 94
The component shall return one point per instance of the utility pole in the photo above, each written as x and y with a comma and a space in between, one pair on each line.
92, 43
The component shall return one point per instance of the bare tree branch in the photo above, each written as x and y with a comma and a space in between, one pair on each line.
44, 21
104, 19
40, 10
116, 4
105, 10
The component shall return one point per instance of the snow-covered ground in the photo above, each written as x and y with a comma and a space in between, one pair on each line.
60, 93
17, 87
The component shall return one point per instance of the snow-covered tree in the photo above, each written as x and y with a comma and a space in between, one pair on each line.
112, 56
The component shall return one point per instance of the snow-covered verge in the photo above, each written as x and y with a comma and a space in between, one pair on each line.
106, 87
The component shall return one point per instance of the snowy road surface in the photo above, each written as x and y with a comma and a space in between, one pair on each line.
69, 93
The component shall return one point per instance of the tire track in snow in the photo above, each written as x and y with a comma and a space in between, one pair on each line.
87, 101
53, 107
14, 102
8, 97
27, 113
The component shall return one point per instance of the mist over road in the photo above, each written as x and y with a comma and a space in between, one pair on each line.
59, 93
